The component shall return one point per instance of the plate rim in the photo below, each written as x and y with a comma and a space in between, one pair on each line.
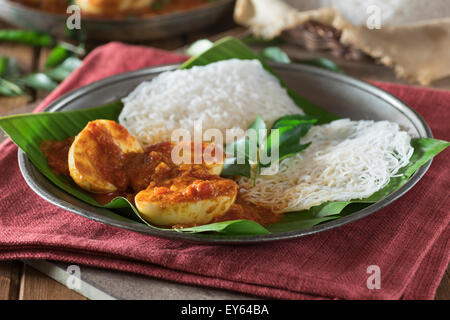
26, 166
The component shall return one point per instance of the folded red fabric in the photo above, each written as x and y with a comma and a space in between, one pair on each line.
408, 240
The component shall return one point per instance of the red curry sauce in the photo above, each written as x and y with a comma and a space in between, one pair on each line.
132, 173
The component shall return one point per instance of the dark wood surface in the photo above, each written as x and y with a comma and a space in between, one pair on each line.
19, 281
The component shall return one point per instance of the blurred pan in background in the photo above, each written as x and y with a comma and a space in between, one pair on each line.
121, 20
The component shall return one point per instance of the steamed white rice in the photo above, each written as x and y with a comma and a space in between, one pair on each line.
228, 94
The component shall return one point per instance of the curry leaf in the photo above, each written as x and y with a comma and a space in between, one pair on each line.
275, 54
57, 56
294, 120
240, 147
9, 68
278, 55
38, 81
12, 81
62, 71
286, 139
3, 65
10, 89
260, 129
323, 63
243, 151
233, 168
26, 37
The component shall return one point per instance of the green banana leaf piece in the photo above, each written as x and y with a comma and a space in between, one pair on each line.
29, 130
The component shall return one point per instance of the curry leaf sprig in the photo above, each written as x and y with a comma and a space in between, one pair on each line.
282, 142
62, 61
26, 37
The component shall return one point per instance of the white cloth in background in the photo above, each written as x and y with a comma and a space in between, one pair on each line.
414, 37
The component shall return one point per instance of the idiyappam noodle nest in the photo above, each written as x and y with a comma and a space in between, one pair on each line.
346, 160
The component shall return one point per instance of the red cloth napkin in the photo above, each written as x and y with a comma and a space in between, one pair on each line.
407, 240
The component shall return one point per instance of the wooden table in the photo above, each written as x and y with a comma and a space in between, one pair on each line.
19, 280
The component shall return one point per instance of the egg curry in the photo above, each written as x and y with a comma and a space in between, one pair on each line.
105, 160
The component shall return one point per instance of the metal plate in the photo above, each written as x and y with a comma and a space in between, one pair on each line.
127, 29
339, 94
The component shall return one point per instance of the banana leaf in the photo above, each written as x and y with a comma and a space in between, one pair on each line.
29, 130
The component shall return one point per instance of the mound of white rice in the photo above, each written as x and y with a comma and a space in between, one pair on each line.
346, 160
228, 94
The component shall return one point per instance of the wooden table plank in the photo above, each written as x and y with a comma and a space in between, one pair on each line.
443, 291
25, 56
10, 279
37, 286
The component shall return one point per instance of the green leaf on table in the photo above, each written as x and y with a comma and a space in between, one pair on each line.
9, 68
323, 63
62, 71
57, 56
38, 81
61, 66
78, 50
26, 37
3, 65
10, 89
275, 54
